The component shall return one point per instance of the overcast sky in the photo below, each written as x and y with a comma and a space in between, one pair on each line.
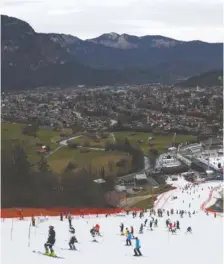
180, 19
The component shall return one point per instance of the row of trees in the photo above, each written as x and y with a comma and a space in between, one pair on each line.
25, 185
134, 151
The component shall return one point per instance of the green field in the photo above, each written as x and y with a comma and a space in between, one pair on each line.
160, 142
96, 158
11, 133
90, 142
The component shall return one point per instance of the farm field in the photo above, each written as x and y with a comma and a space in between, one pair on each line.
87, 141
11, 133
160, 142
94, 158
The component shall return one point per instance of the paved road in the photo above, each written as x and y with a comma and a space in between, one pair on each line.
62, 143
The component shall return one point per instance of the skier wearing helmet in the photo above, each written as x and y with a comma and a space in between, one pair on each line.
50, 242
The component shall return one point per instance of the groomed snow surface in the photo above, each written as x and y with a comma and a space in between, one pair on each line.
204, 246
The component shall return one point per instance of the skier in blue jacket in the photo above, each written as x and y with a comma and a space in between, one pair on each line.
128, 240
137, 248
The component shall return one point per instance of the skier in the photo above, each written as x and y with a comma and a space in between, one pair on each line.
170, 226
97, 229
146, 220
33, 220
178, 224
61, 216
93, 232
72, 239
20, 214
128, 240
137, 248
141, 229
132, 230
156, 223
126, 231
189, 230
70, 219
122, 229
150, 225
167, 223
50, 242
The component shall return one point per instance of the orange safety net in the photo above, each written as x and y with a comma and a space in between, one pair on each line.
28, 212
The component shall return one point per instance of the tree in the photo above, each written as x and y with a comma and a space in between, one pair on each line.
86, 143
70, 166
76, 128
102, 173
110, 165
107, 145
153, 153
72, 144
119, 123
21, 165
127, 144
43, 165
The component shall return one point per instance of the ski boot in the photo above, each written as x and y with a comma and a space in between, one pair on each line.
53, 254
47, 253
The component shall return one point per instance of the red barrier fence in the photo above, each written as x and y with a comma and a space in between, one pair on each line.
28, 212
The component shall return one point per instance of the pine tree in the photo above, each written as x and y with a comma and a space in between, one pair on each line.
43, 166
21, 164
103, 173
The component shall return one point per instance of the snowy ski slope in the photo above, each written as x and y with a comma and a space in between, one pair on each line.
204, 246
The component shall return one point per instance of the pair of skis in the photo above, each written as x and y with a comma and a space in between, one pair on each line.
43, 254
58, 257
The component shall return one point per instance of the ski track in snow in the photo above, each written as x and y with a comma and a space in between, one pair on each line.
204, 246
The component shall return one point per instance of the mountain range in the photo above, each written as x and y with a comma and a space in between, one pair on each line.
31, 59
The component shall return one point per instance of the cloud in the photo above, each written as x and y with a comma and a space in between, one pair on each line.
185, 19
18, 3
63, 12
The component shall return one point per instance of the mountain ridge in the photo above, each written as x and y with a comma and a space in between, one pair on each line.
35, 59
